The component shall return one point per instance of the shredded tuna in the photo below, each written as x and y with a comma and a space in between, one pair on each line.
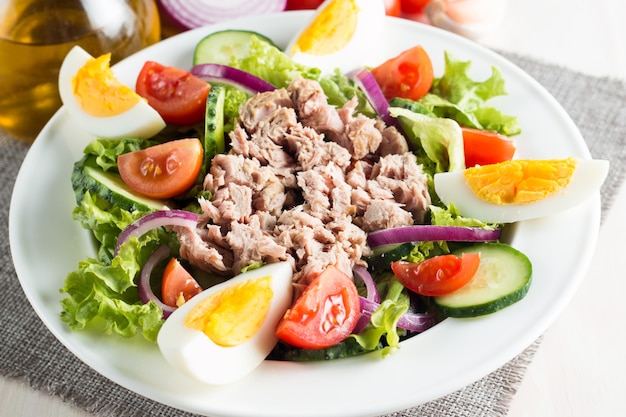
303, 182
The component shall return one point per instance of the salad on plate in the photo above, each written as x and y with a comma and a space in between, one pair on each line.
302, 204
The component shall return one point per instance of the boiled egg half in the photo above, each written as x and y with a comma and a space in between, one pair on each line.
518, 190
341, 34
100, 103
225, 332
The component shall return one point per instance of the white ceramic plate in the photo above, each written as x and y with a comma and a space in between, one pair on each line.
47, 244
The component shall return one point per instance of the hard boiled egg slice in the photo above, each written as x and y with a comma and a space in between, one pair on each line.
99, 103
225, 332
518, 190
341, 34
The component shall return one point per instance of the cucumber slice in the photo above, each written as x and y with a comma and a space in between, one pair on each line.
383, 256
221, 47
503, 278
214, 124
88, 176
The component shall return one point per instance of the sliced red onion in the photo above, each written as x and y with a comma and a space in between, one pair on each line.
425, 233
417, 322
367, 83
233, 76
370, 285
414, 322
195, 13
372, 295
145, 290
156, 219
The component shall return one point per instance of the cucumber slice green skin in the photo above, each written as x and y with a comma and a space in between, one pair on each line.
221, 47
88, 176
214, 141
503, 278
383, 256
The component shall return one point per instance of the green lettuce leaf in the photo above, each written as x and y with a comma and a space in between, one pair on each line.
106, 151
457, 96
450, 217
394, 303
102, 291
266, 61
439, 138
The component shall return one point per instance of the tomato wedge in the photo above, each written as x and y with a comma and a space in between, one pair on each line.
177, 283
484, 147
438, 275
162, 171
324, 314
392, 7
408, 75
413, 6
178, 96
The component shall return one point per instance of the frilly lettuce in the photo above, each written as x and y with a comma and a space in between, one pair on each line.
395, 302
457, 96
441, 139
103, 290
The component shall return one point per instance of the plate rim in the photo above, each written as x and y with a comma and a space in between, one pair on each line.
591, 209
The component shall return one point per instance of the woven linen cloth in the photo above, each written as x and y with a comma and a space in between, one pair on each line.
29, 352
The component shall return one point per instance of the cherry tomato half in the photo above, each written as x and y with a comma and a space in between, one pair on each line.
438, 275
303, 4
408, 75
178, 96
324, 314
392, 7
413, 6
177, 282
162, 171
483, 147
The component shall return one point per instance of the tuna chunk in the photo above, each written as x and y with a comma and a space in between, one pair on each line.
404, 178
303, 182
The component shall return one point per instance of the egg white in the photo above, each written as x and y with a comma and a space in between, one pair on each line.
193, 352
358, 51
451, 187
140, 121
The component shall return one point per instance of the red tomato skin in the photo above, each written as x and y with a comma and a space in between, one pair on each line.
162, 171
303, 4
413, 6
438, 275
408, 75
178, 96
392, 7
324, 314
483, 147
177, 281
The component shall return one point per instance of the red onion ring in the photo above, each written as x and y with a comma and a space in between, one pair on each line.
370, 285
156, 219
233, 76
367, 83
195, 13
425, 233
145, 290
415, 322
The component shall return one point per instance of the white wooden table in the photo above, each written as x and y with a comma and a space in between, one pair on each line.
580, 367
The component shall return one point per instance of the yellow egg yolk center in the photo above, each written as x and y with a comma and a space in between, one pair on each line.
234, 314
98, 92
520, 181
330, 31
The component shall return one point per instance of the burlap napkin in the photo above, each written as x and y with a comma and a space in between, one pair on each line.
30, 352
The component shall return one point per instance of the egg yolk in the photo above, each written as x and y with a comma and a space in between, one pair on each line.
330, 31
234, 314
520, 181
98, 92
